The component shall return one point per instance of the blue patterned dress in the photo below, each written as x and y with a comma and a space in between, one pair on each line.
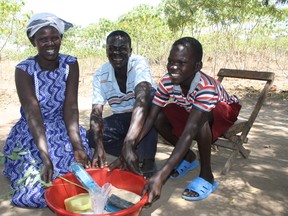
22, 153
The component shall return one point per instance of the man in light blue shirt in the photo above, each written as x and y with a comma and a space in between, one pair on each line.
126, 83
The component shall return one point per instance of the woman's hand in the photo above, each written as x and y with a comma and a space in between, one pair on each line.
82, 157
47, 168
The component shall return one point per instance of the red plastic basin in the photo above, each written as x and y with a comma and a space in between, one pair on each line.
61, 190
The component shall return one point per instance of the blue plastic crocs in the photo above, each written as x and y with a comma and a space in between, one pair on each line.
202, 187
184, 167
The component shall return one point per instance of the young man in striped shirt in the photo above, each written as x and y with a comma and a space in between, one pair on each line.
200, 110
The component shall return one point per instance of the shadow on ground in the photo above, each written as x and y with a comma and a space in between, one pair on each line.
254, 186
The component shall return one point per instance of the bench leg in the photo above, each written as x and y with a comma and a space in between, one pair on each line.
228, 163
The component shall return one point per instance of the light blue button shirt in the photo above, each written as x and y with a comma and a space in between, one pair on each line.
105, 86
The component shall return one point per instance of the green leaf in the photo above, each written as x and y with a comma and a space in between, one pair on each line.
28, 172
45, 184
20, 181
16, 150
2, 158
27, 182
22, 153
13, 157
36, 179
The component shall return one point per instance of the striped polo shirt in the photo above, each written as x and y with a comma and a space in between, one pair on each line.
106, 89
205, 92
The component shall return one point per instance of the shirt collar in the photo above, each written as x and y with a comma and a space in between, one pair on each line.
111, 69
193, 84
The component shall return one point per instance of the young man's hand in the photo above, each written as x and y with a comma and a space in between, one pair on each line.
153, 188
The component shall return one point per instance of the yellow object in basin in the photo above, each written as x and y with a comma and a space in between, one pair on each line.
79, 203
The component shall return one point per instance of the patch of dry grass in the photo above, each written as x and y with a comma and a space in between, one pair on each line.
88, 66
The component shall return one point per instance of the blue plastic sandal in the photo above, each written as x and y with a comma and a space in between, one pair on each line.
202, 187
184, 167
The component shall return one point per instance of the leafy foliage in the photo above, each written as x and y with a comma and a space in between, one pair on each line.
12, 20
228, 28
32, 175
148, 30
225, 27
88, 41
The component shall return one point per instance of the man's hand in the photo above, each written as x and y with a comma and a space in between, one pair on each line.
99, 157
82, 157
116, 164
128, 160
96, 130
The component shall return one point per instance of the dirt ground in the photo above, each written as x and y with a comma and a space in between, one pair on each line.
254, 186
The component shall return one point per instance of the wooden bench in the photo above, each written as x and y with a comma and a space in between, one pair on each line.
234, 138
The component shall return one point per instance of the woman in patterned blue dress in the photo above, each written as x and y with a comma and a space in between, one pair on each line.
48, 138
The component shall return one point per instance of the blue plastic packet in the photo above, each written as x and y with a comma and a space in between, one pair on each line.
86, 180
98, 195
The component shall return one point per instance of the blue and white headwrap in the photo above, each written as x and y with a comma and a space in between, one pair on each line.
41, 20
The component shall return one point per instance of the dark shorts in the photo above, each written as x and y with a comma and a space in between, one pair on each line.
224, 117
116, 127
